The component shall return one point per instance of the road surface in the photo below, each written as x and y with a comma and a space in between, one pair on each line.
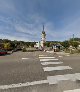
39, 72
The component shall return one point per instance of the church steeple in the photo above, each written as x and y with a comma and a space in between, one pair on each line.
43, 32
43, 27
43, 38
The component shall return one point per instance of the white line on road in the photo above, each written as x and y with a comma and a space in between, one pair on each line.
55, 79
23, 84
60, 56
50, 80
25, 58
50, 51
56, 68
75, 90
42, 55
48, 63
48, 59
67, 55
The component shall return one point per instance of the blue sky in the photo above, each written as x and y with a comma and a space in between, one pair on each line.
23, 19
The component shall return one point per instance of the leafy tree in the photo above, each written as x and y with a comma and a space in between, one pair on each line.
74, 43
75, 39
7, 46
65, 44
47, 44
12, 45
51, 43
6, 41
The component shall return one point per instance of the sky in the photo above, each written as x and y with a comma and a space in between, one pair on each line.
23, 19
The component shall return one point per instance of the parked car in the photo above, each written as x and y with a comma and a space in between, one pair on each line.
3, 52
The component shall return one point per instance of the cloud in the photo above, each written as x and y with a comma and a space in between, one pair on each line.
73, 27
3, 36
20, 30
7, 6
23, 19
32, 27
17, 28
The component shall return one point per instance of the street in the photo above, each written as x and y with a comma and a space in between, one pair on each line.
39, 72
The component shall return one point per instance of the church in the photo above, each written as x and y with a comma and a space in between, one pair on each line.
41, 44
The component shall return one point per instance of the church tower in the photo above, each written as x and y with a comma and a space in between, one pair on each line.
43, 38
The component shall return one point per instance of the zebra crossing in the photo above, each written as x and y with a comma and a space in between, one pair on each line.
74, 90
47, 61
25, 58
55, 79
56, 68
53, 69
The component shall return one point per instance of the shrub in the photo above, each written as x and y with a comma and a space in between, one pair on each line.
24, 49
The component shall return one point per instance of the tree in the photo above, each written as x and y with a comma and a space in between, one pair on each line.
75, 39
65, 44
47, 44
7, 46
74, 43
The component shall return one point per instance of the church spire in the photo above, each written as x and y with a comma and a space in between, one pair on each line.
43, 32
43, 27
43, 38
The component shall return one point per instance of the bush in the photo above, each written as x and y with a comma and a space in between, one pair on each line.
24, 50
78, 50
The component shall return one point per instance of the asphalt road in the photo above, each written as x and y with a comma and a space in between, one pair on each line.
24, 72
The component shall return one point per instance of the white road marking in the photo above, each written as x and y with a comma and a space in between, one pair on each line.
57, 78
67, 55
75, 90
50, 51
48, 63
77, 76
23, 84
50, 80
42, 55
25, 58
56, 68
60, 56
48, 59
